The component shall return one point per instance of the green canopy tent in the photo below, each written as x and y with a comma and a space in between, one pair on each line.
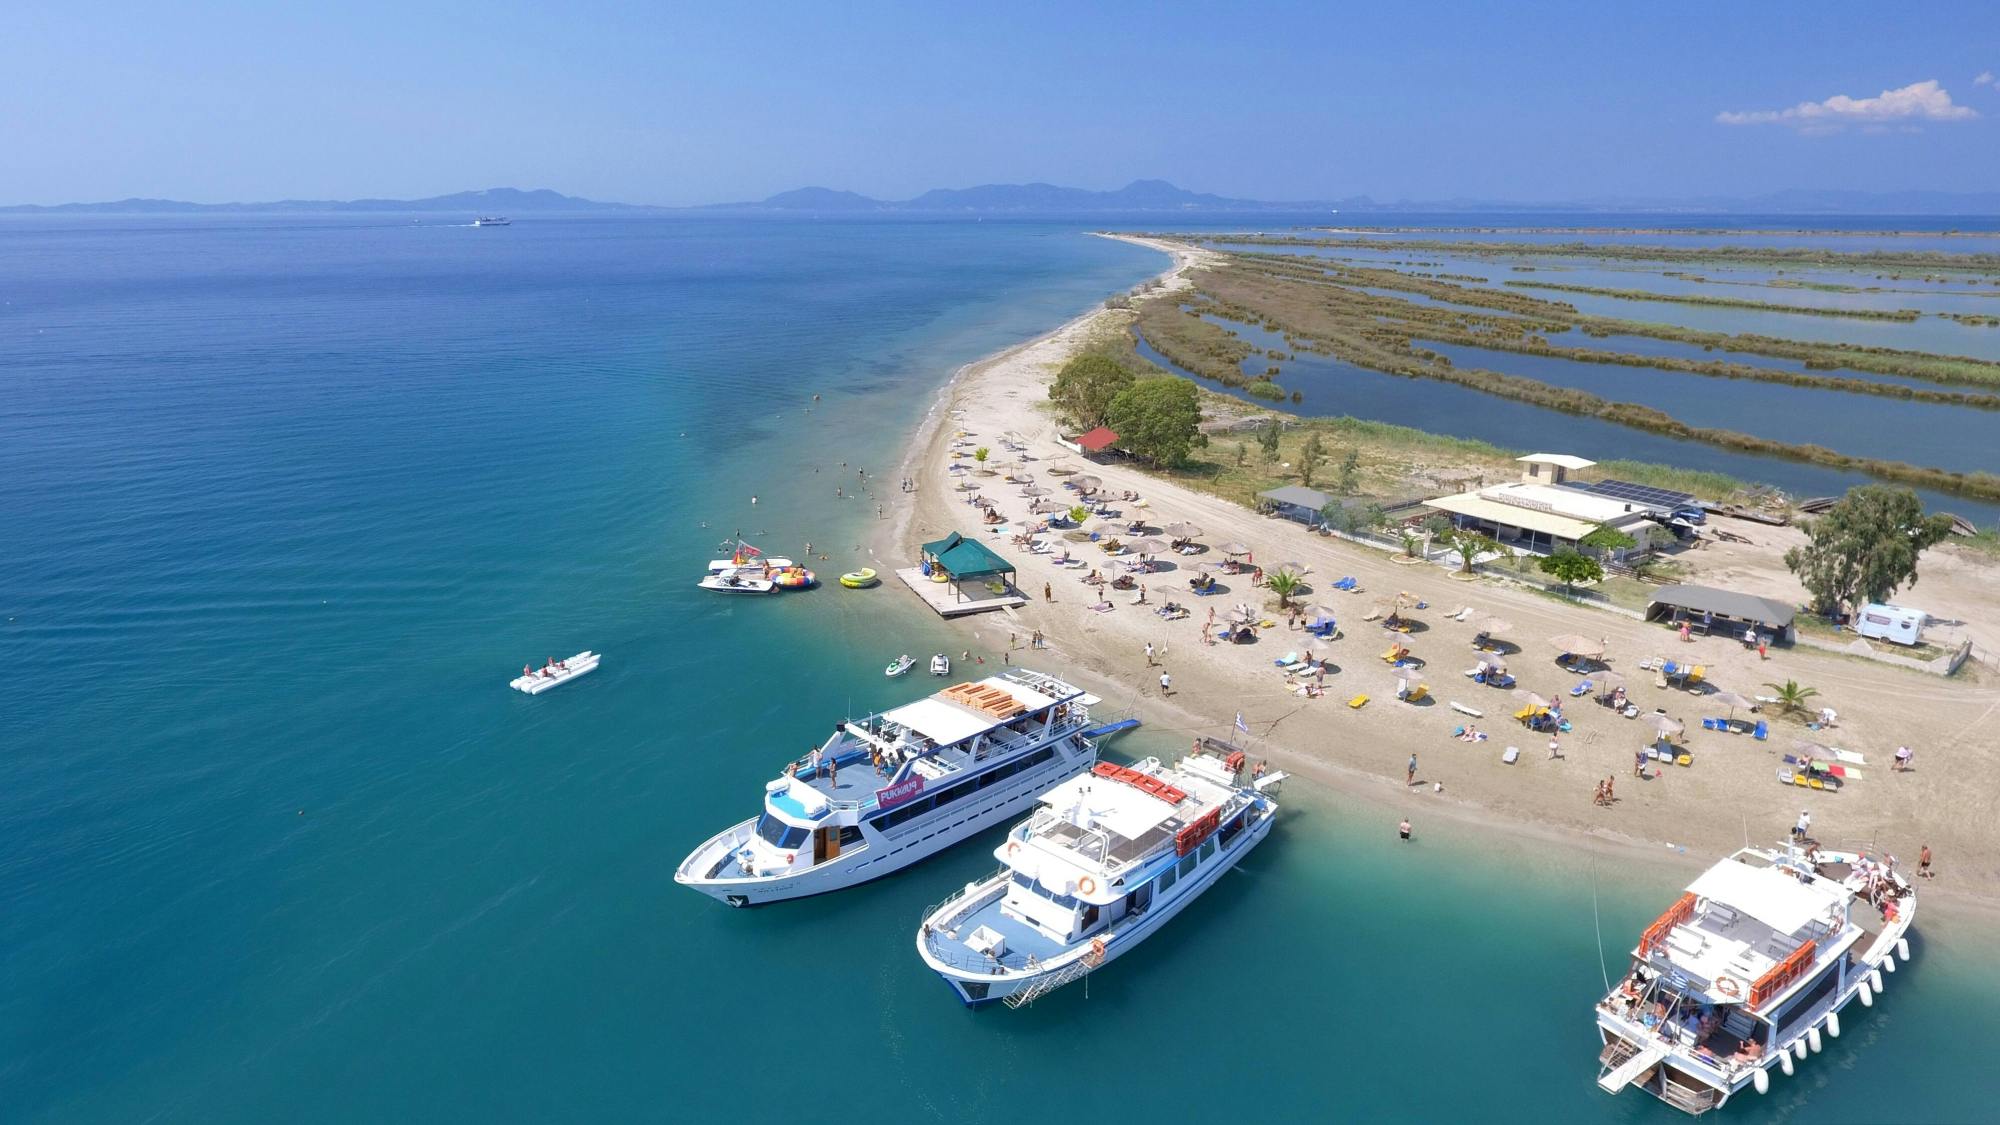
961, 560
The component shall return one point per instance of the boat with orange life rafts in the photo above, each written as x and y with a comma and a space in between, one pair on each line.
1110, 855
1747, 973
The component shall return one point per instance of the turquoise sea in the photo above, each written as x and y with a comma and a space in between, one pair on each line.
285, 502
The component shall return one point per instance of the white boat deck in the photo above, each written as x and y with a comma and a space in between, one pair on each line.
941, 599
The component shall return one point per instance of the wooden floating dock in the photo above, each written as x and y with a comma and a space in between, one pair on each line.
940, 597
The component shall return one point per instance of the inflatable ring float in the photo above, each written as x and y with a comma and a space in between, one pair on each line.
1727, 987
858, 579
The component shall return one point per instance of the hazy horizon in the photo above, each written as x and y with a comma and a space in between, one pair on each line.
236, 103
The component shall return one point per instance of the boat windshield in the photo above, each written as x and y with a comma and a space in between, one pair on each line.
779, 834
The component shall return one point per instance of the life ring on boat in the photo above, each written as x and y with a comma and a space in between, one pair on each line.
1088, 886
1727, 986
789, 857
1013, 846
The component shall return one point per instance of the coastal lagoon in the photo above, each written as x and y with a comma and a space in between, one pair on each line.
289, 500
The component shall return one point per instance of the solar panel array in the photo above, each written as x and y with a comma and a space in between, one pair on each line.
1633, 493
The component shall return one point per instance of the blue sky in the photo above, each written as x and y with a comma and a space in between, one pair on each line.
682, 103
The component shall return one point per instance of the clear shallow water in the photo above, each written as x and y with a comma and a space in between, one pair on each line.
288, 502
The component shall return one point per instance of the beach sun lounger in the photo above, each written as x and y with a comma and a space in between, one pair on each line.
1464, 710
1358, 702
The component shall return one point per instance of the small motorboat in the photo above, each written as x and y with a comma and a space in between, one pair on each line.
795, 578
555, 673
899, 665
747, 581
858, 579
940, 665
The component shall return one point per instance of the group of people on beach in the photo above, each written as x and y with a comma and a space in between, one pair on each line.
1605, 793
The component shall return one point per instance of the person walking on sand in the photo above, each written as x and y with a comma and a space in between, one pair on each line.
1804, 826
1924, 862
1048, 592
1403, 830
1639, 762
1149, 654
1410, 774
1166, 684
1555, 747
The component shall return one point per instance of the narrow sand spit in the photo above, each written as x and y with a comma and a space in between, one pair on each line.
1729, 794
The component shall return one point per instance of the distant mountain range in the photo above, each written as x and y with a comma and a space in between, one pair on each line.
1137, 197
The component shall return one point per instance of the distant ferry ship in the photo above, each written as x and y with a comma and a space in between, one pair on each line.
1110, 856
896, 787
493, 221
1749, 970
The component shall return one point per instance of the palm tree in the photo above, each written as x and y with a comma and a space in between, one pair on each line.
981, 454
1792, 695
1284, 584
1078, 514
1469, 545
1411, 542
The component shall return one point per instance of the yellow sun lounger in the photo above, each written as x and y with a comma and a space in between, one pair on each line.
1525, 713
1358, 702
1415, 694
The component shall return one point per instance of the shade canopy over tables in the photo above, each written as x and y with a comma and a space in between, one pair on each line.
962, 559
1146, 546
1182, 529
1673, 603
1233, 548
1087, 483
1577, 644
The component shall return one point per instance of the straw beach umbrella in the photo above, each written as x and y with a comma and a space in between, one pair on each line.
1294, 568
1608, 682
1233, 548
1315, 614
1182, 529
1667, 727
1731, 700
1531, 698
1242, 613
1496, 627
1146, 546
1034, 490
1087, 483
1578, 644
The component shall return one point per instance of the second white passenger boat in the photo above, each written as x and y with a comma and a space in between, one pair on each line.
1110, 856
1749, 971
896, 787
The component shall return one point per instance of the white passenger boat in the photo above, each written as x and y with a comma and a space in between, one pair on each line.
1748, 973
893, 788
940, 665
493, 221
555, 673
1110, 856
742, 580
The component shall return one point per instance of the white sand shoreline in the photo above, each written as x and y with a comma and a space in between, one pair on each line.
1684, 819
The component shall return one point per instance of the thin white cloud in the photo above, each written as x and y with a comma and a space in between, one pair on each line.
1985, 78
1917, 102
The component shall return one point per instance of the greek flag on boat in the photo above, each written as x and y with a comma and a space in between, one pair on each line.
1240, 724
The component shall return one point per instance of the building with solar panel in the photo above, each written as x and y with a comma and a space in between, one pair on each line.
1546, 511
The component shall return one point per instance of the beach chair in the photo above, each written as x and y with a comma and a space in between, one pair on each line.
1415, 694
1581, 689
1524, 714
1345, 583
1288, 661
1511, 755
1695, 674
1358, 702
1711, 724
1761, 731
1464, 710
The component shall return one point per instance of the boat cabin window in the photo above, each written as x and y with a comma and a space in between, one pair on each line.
778, 834
1207, 849
1187, 863
1167, 879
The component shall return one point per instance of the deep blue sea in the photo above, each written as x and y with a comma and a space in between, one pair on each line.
284, 502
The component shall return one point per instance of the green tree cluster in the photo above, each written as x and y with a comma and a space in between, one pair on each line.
1865, 547
1570, 568
1085, 386
1158, 420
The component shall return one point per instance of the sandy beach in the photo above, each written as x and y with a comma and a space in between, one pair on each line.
1729, 794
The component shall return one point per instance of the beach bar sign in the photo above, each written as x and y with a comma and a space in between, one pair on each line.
901, 791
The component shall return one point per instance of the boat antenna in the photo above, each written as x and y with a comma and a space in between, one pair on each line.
1598, 925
